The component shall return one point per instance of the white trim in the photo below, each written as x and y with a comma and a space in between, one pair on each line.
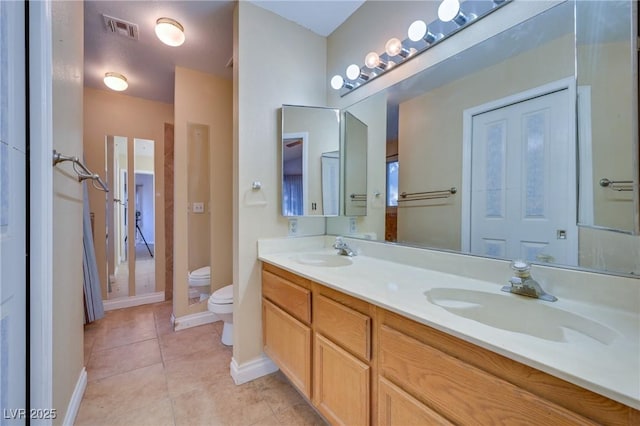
76, 399
568, 83
128, 302
251, 370
41, 198
585, 158
194, 320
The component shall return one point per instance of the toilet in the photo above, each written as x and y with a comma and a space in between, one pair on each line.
199, 283
221, 304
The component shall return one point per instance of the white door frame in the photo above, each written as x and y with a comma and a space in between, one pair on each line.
41, 199
568, 83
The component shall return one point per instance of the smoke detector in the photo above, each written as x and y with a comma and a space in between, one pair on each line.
121, 27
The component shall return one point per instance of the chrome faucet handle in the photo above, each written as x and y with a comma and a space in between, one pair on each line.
521, 267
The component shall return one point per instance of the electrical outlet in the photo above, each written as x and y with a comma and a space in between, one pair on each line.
353, 228
198, 207
293, 227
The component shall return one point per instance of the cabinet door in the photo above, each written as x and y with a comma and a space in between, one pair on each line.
341, 390
396, 407
288, 342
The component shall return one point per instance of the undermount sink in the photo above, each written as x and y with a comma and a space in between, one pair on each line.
325, 260
519, 314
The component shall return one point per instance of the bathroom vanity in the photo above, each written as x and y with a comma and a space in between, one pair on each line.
372, 341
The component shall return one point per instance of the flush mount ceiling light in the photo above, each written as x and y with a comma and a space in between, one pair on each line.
115, 81
420, 37
170, 32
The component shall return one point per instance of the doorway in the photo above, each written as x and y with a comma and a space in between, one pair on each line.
522, 159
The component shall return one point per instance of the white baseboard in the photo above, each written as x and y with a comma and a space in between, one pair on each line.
251, 370
76, 399
127, 302
193, 320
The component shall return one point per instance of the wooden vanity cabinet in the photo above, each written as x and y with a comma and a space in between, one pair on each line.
434, 372
360, 364
286, 325
342, 357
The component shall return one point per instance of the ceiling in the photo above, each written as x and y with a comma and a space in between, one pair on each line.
149, 65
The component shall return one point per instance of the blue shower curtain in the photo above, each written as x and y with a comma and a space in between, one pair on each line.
93, 308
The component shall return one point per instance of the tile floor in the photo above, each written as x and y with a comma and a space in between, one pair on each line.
141, 372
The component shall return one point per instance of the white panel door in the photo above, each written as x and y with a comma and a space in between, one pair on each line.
523, 181
13, 333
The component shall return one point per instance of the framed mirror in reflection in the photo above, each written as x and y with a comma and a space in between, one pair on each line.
499, 123
310, 148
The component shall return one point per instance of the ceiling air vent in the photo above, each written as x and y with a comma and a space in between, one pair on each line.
121, 27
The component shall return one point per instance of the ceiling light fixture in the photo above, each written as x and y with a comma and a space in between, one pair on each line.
420, 37
420, 31
170, 32
115, 81
449, 10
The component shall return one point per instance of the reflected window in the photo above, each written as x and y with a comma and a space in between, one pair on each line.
392, 184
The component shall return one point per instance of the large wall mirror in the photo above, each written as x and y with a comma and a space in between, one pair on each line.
130, 216
310, 161
502, 149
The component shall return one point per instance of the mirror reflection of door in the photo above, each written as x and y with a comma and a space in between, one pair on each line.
144, 216
523, 166
294, 183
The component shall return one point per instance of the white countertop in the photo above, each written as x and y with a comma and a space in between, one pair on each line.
610, 366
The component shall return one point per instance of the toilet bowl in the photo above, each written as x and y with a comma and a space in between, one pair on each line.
199, 283
221, 304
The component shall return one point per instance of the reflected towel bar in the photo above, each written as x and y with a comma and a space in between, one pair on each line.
617, 185
82, 170
428, 195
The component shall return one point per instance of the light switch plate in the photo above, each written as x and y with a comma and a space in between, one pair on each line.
198, 207
293, 227
353, 228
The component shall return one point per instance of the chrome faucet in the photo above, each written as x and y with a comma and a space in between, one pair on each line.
343, 248
524, 284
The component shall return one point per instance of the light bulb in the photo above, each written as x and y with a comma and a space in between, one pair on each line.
115, 81
337, 82
393, 47
170, 32
417, 30
372, 60
353, 72
448, 10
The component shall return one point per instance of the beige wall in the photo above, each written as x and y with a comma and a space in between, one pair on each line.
198, 190
109, 113
373, 112
604, 250
207, 100
68, 310
262, 83
430, 152
606, 68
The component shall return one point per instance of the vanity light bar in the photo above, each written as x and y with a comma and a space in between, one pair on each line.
453, 17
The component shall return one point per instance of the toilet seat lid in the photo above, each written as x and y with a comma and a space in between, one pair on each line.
204, 272
223, 295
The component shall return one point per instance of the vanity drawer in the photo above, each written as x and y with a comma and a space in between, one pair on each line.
462, 393
293, 298
345, 326
396, 407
